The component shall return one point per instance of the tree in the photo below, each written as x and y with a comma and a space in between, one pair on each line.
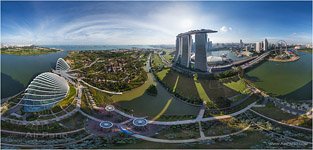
152, 90
195, 76
223, 102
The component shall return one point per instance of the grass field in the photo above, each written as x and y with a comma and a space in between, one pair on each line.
186, 87
203, 95
176, 82
239, 86
215, 89
134, 93
156, 61
101, 99
163, 73
168, 57
170, 79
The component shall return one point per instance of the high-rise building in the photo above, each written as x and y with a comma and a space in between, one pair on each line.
210, 46
258, 47
241, 44
184, 45
186, 50
265, 45
179, 45
201, 46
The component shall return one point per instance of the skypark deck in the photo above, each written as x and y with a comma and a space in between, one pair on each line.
196, 31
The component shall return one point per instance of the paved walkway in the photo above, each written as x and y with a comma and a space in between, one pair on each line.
92, 63
42, 134
202, 136
105, 91
90, 117
50, 145
125, 115
187, 140
40, 122
285, 124
201, 119
201, 112
281, 135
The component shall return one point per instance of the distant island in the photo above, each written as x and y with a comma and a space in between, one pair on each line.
308, 50
27, 50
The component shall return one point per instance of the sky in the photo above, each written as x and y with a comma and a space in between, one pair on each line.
147, 23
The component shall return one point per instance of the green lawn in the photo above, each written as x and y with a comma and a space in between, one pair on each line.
170, 79
186, 87
156, 61
168, 57
203, 94
84, 104
174, 88
239, 86
68, 99
162, 73
215, 89
100, 98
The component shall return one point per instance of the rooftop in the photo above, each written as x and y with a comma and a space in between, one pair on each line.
197, 31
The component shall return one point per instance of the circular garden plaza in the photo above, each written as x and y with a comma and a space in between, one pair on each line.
144, 98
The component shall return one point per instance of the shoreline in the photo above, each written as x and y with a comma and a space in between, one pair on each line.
284, 61
18, 53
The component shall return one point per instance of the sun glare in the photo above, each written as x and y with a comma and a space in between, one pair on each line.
186, 24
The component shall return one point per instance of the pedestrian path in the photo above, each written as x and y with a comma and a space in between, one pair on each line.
187, 140
285, 124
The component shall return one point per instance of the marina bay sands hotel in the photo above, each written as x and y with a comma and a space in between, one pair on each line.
184, 44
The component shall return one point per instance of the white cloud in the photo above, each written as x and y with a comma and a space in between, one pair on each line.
225, 29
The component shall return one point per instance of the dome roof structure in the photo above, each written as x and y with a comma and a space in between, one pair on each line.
44, 91
62, 65
212, 59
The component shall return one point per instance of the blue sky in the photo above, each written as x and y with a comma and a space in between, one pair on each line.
153, 22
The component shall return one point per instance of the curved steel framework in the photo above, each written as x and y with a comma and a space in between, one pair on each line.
281, 46
62, 65
44, 91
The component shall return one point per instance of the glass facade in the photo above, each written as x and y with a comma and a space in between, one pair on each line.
44, 91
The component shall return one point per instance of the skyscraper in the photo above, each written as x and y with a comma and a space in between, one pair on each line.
265, 45
241, 44
210, 46
178, 49
201, 46
184, 45
258, 47
186, 50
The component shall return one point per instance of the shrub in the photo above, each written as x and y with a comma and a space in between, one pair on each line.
152, 90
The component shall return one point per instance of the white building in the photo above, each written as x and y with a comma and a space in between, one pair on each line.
258, 47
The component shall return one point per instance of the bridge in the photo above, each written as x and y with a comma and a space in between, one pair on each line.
256, 60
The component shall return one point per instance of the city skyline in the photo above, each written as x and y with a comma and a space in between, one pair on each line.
153, 22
